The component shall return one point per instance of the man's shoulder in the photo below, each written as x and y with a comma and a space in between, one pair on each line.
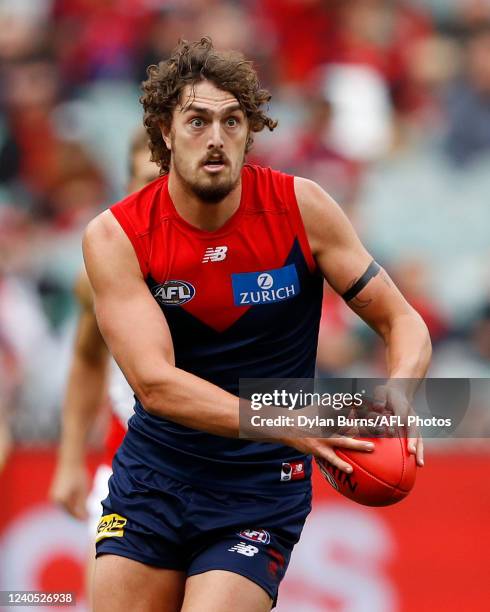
103, 228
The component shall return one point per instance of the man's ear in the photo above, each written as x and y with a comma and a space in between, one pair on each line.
165, 130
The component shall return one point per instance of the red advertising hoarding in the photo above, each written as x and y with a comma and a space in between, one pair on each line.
427, 553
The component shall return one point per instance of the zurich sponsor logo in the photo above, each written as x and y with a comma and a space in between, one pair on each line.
173, 292
265, 287
255, 535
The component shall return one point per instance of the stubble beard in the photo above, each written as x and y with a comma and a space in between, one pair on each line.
213, 190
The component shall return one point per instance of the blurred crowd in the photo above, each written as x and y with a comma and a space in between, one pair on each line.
385, 103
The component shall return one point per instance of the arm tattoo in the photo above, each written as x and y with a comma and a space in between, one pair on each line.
357, 285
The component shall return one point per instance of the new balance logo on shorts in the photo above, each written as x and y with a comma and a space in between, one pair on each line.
244, 549
215, 254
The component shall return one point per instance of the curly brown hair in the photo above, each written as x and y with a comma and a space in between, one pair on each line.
190, 63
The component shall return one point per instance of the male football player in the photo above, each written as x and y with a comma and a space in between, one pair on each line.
213, 273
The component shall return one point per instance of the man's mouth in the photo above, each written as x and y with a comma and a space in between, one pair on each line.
214, 165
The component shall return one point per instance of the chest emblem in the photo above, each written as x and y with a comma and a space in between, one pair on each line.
215, 254
265, 287
173, 292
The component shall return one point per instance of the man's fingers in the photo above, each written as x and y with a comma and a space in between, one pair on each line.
412, 429
329, 455
412, 438
420, 452
358, 445
80, 512
412, 445
73, 504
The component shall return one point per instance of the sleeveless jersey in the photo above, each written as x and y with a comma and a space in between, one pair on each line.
243, 301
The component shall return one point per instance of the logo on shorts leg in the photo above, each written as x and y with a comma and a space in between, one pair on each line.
255, 535
294, 470
111, 526
276, 564
244, 549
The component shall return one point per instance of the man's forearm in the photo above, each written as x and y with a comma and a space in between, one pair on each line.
83, 398
191, 401
408, 349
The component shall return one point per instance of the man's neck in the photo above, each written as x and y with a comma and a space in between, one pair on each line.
203, 215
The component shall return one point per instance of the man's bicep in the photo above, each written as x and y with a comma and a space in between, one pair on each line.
129, 319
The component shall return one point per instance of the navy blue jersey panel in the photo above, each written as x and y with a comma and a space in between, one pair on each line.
276, 340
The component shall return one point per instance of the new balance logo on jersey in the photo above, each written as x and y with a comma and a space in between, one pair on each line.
244, 549
215, 254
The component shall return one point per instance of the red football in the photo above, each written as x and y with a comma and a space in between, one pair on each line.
381, 477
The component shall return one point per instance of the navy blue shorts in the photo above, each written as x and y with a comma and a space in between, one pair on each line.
159, 521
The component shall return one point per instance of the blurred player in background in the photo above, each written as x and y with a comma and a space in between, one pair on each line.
92, 373
213, 273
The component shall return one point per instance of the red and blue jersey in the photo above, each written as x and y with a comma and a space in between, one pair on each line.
243, 301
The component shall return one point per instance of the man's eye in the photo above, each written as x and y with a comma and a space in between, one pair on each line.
232, 121
197, 123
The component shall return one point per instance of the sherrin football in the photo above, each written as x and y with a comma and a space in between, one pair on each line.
381, 477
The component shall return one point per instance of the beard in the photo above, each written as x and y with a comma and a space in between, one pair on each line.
211, 189
214, 191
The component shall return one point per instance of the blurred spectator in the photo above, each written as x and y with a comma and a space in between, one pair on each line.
467, 354
99, 39
30, 89
380, 34
300, 30
23, 28
357, 91
28, 348
315, 156
412, 276
432, 64
339, 346
469, 102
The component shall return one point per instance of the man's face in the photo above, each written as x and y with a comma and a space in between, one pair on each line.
207, 140
143, 170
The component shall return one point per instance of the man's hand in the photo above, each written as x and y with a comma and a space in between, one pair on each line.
325, 448
394, 398
70, 489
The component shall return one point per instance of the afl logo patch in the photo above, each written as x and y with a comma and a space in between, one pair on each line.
256, 535
173, 292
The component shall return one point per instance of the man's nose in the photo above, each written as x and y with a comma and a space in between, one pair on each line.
216, 136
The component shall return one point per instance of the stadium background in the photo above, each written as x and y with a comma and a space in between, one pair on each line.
387, 105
